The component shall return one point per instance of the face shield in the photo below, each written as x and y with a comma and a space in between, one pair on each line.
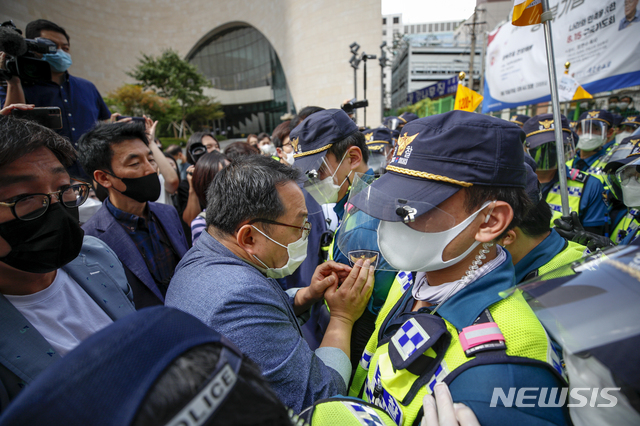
321, 180
546, 156
618, 153
590, 308
415, 238
628, 177
593, 134
379, 157
394, 123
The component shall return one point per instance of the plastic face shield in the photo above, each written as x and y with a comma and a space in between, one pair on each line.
546, 156
320, 180
591, 302
592, 128
618, 153
413, 221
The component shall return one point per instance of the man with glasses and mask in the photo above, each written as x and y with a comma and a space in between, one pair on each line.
147, 237
440, 211
596, 138
257, 232
57, 285
585, 191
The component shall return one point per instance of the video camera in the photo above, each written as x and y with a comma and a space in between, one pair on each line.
352, 105
21, 60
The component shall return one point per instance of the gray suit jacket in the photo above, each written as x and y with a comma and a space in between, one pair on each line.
24, 353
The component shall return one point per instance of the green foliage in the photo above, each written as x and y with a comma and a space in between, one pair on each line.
132, 100
172, 141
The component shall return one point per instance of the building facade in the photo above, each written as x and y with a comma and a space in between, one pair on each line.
263, 58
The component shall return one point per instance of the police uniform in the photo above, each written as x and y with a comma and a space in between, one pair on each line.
477, 341
379, 142
594, 164
585, 192
311, 141
519, 119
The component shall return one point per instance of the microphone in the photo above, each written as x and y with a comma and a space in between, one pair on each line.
11, 42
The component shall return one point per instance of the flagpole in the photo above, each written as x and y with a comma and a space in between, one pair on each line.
546, 18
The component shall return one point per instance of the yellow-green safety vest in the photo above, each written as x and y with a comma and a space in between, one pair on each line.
575, 187
628, 225
524, 337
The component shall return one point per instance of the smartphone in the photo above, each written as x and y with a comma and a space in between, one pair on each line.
50, 117
140, 119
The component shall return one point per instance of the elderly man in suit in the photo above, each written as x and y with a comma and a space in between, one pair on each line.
146, 236
57, 285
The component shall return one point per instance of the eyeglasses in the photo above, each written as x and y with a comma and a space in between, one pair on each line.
32, 206
305, 228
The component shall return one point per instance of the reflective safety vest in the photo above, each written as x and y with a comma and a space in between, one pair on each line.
570, 253
576, 181
377, 381
628, 225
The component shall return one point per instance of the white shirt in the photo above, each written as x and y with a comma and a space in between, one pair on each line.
63, 313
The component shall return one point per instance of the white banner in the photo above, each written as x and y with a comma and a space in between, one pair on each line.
601, 39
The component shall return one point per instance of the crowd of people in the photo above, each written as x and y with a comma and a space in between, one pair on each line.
414, 273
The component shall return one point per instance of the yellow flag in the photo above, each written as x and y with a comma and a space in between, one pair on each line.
526, 12
570, 90
467, 99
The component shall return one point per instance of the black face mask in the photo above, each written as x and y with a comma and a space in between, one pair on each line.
142, 189
44, 244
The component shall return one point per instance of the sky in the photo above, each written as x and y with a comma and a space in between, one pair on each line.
414, 11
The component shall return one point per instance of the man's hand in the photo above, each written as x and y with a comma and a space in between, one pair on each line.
441, 411
114, 118
14, 80
190, 170
7, 110
347, 300
568, 226
150, 128
325, 275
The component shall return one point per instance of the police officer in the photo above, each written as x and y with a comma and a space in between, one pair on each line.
596, 132
440, 213
535, 248
330, 152
404, 118
627, 177
519, 119
585, 191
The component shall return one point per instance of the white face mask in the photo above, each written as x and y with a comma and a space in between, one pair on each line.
623, 105
622, 135
398, 243
587, 374
613, 104
297, 252
326, 191
289, 158
179, 162
590, 143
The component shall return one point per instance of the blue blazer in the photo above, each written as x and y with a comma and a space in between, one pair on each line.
24, 353
104, 226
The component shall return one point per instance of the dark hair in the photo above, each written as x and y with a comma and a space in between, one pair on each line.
35, 27
247, 189
251, 136
205, 170
355, 139
304, 113
197, 137
537, 220
95, 146
240, 149
21, 137
173, 150
262, 136
280, 133
517, 198
182, 379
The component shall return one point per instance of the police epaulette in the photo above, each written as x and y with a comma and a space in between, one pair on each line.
578, 176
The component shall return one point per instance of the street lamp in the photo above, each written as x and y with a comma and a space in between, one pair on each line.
355, 63
383, 63
364, 58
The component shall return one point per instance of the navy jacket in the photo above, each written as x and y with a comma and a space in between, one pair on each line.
104, 226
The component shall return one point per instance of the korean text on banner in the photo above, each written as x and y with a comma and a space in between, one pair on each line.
601, 39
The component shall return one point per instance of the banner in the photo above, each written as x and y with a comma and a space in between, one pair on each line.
467, 99
441, 88
598, 37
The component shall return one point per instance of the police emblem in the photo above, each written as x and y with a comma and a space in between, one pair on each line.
368, 137
630, 119
371, 255
514, 118
404, 141
593, 114
546, 124
294, 144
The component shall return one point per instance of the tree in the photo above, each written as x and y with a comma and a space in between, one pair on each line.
132, 100
174, 78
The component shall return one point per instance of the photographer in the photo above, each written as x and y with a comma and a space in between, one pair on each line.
79, 101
